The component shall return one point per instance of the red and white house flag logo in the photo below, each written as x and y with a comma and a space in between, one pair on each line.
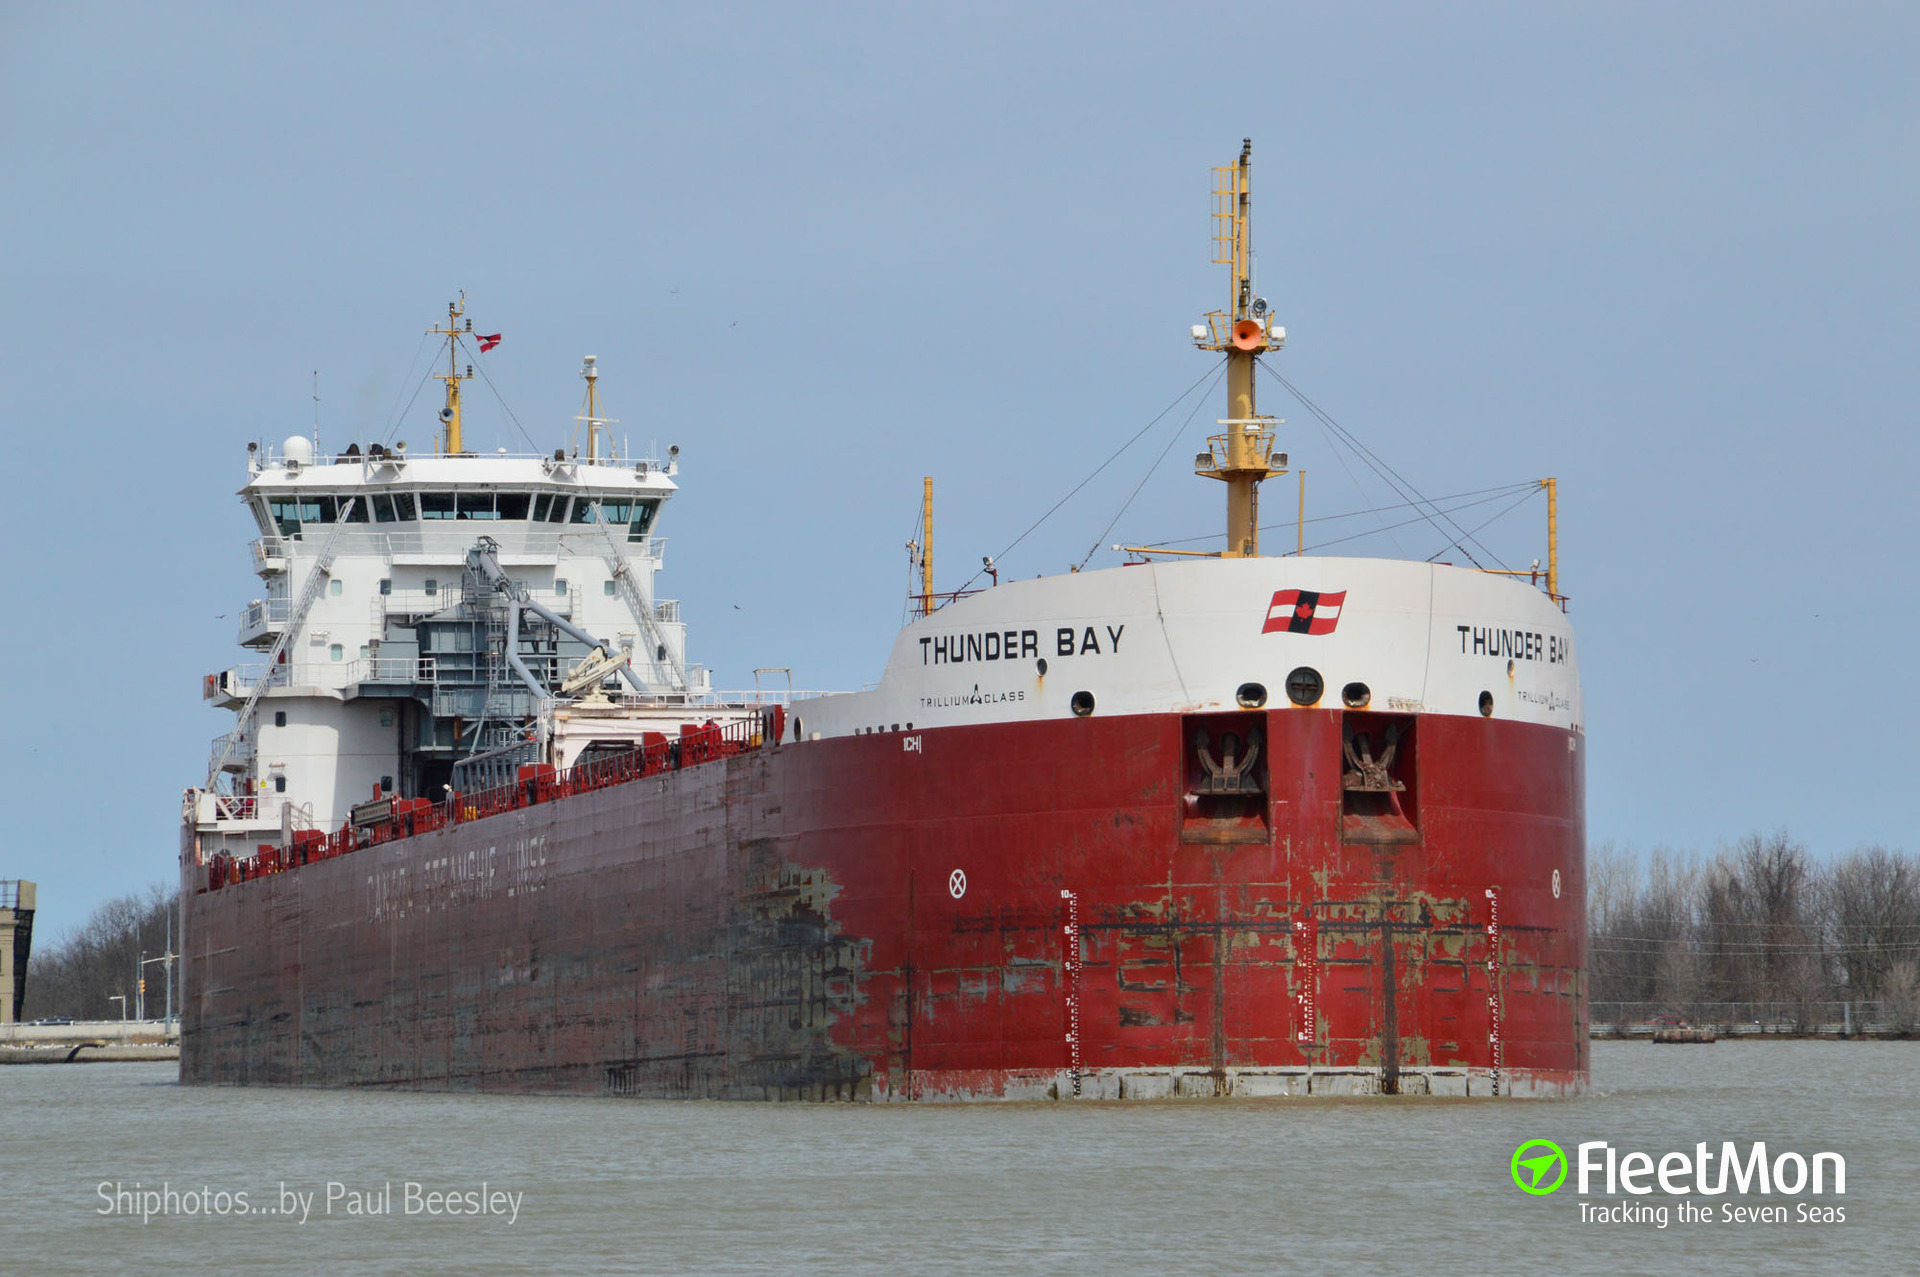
1303, 612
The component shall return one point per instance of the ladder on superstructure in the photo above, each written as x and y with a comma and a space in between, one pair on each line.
316, 581
622, 570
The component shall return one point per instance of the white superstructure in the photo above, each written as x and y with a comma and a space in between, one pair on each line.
420, 614
389, 669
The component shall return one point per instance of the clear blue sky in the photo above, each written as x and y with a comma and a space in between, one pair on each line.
1669, 256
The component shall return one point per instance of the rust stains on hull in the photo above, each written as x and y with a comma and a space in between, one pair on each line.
838, 920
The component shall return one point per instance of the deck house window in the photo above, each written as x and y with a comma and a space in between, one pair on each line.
286, 515
643, 512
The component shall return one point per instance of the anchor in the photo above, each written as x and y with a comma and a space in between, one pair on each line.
1370, 775
1233, 774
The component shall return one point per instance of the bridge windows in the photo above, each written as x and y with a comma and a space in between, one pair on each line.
286, 515
288, 512
643, 512
635, 515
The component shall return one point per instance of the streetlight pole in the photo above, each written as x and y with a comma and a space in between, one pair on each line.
167, 959
121, 998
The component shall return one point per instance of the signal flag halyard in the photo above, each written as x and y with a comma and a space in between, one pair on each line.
488, 342
1303, 612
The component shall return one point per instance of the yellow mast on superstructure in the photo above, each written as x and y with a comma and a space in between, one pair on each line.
453, 376
590, 369
1244, 455
926, 547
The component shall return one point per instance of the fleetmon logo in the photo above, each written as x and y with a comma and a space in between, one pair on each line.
1539, 1167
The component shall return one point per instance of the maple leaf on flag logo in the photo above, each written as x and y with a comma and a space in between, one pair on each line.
1303, 612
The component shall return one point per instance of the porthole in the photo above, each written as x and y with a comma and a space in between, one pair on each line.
1305, 686
797, 728
1356, 695
1486, 704
1082, 703
1251, 695
1042, 664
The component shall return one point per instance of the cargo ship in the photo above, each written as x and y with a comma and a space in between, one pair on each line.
1227, 824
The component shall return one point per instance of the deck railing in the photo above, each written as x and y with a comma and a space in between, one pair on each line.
397, 818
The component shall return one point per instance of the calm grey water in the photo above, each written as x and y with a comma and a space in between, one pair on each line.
1316, 1186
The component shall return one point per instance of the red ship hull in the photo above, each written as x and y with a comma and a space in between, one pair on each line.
1016, 910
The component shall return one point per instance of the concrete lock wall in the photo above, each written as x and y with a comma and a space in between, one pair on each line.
17, 900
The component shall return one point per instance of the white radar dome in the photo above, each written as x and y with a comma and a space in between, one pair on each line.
298, 449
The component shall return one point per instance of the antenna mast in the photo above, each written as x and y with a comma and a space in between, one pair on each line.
1244, 455
926, 547
590, 369
453, 376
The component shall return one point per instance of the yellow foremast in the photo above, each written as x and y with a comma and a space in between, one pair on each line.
1244, 455
450, 415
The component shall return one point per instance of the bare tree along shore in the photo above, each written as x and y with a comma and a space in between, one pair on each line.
1759, 937
83, 974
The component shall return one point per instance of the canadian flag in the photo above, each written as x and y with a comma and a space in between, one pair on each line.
488, 341
1303, 612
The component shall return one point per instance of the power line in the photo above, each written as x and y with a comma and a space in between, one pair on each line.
1515, 505
1527, 486
1211, 374
502, 398
1171, 440
1387, 473
394, 418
